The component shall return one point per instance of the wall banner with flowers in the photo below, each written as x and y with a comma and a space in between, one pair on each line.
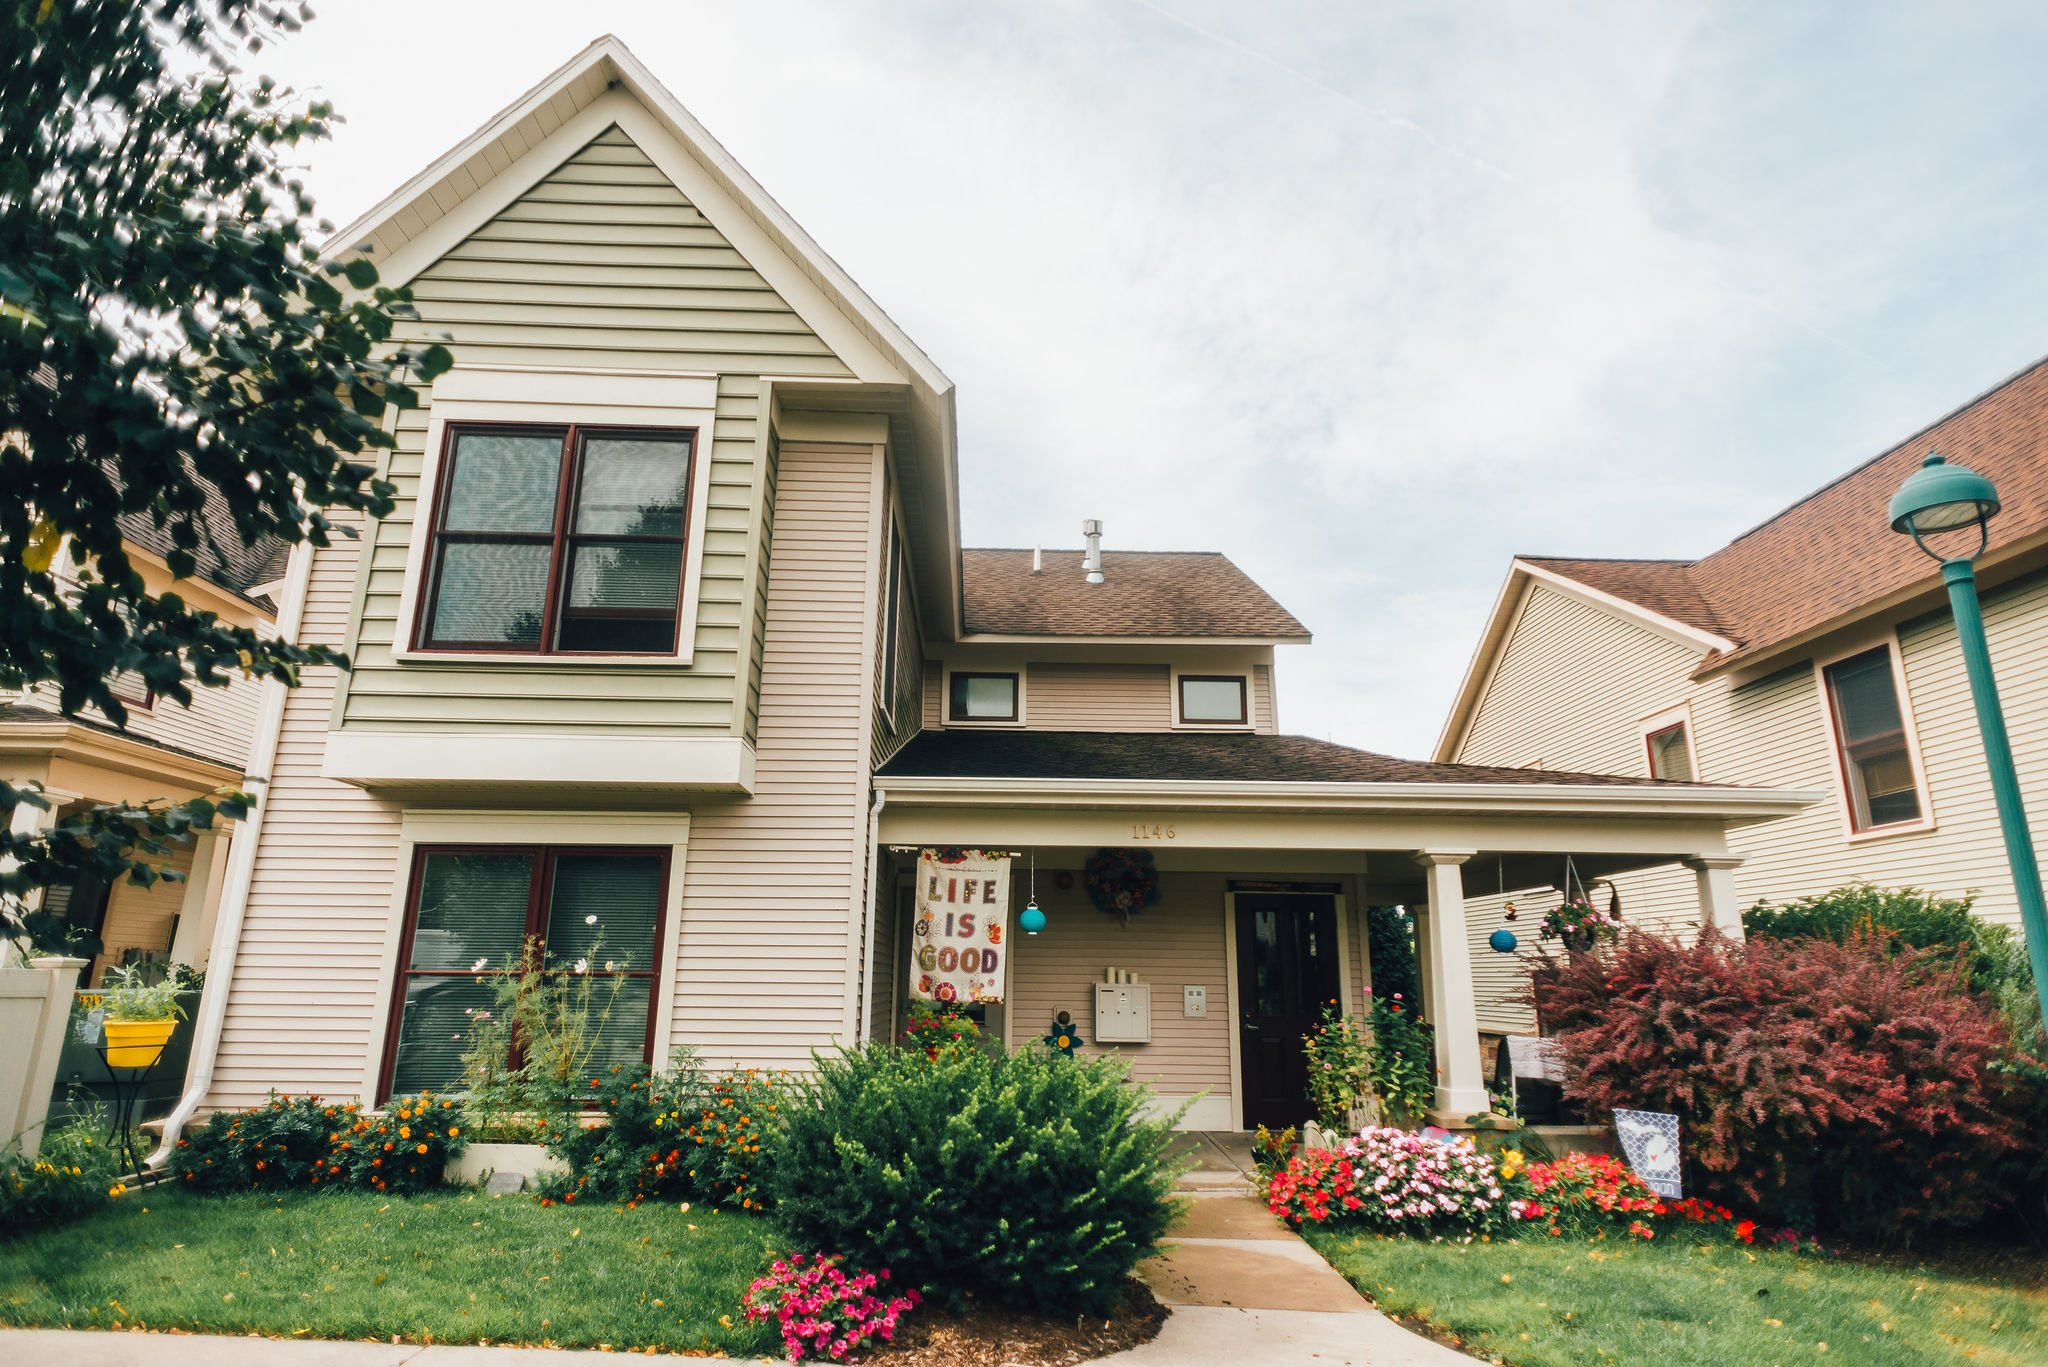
961, 929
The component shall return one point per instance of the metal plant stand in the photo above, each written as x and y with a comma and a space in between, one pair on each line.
127, 1093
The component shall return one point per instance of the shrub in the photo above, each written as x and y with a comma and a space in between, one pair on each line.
561, 1024
1855, 1087
1401, 1058
1908, 915
932, 1026
821, 1310
304, 1143
1587, 1193
1394, 1182
1339, 1059
1390, 940
71, 1176
1271, 1149
1024, 1178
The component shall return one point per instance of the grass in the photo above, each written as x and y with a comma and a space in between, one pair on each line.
1563, 1302
460, 1267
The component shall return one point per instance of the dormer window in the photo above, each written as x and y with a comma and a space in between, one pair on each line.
1213, 700
559, 540
982, 697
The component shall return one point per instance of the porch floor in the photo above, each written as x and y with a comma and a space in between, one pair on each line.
1220, 1158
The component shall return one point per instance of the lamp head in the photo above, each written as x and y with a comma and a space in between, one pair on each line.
1939, 497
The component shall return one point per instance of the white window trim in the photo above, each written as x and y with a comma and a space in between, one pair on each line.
892, 649
1251, 704
561, 396
1680, 715
951, 723
451, 827
1845, 804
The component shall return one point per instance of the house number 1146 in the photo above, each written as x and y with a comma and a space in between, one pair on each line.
1151, 830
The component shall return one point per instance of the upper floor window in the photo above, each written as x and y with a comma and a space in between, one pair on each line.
982, 697
1871, 744
1670, 752
559, 540
1213, 700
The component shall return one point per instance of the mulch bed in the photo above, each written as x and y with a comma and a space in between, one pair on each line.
986, 1337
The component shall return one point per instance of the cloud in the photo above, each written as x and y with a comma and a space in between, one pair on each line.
1370, 297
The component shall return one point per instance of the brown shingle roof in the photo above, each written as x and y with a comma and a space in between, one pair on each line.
1834, 552
1143, 593
1168, 756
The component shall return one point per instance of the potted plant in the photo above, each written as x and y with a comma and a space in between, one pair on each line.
140, 1015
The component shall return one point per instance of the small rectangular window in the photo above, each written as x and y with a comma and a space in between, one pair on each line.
559, 540
1213, 699
1670, 753
983, 697
591, 912
1870, 730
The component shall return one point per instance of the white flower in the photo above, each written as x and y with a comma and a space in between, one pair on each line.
609, 965
478, 966
591, 919
581, 966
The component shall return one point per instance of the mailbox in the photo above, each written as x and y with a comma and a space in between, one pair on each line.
1123, 1013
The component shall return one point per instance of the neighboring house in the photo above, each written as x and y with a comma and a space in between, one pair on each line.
669, 655
167, 751
1815, 651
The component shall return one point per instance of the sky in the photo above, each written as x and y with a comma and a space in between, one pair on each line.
1370, 297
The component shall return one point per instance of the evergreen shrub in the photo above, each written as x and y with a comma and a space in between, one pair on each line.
1024, 1179
305, 1143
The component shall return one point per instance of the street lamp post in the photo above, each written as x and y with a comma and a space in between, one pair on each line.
1937, 498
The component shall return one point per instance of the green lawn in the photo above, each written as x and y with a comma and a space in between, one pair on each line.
454, 1268
1561, 1302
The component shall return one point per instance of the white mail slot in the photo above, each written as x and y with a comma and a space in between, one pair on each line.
1123, 1013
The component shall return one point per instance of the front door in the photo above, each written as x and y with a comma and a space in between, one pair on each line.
1286, 972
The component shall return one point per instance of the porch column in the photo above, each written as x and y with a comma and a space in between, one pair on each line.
1460, 1084
202, 899
25, 820
1718, 907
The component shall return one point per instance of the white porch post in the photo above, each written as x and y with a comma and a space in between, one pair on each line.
202, 899
25, 819
1460, 1083
1718, 907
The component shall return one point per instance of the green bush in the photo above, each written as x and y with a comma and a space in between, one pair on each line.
304, 1143
1908, 915
72, 1175
1025, 1179
1390, 941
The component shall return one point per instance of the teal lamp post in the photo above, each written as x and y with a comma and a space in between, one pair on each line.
1938, 498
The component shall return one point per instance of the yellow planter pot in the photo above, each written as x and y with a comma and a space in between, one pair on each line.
137, 1044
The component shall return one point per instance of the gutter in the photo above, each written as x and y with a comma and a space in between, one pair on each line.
870, 913
234, 896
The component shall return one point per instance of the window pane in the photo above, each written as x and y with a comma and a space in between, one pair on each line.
1669, 757
632, 575
985, 695
490, 593
1866, 702
433, 1032
1212, 700
504, 482
603, 909
620, 1020
472, 906
633, 487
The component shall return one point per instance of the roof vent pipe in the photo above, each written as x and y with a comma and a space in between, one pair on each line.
1038, 560
1091, 530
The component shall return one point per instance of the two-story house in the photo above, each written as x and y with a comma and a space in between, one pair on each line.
166, 751
670, 656
1816, 652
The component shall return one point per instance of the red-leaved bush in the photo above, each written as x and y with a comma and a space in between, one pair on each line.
1845, 1087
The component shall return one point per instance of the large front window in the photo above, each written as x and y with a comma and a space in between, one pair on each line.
559, 540
587, 911
1870, 734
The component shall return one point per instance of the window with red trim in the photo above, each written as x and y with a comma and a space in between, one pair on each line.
558, 540
1670, 754
590, 912
1870, 735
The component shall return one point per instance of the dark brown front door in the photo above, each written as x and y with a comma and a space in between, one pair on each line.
1286, 971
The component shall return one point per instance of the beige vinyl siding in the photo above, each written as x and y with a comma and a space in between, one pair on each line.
1263, 708
302, 1005
604, 264
1098, 697
1178, 943
757, 614
216, 724
934, 695
142, 918
773, 886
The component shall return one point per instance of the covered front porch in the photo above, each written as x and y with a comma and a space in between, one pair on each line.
1263, 881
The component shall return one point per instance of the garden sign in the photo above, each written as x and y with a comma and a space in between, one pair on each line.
963, 912
1650, 1139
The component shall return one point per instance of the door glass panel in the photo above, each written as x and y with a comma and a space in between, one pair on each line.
1267, 992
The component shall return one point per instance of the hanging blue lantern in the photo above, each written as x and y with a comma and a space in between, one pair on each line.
1032, 920
1503, 941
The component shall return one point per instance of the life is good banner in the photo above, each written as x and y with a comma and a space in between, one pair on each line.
960, 935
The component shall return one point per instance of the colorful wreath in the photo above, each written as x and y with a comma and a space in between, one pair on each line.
1121, 881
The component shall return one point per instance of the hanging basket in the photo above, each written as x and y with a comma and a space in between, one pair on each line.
1121, 882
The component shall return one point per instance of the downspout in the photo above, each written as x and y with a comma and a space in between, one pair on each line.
872, 913
234, 893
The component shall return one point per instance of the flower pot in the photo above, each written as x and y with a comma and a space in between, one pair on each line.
1578, 941
137, 1044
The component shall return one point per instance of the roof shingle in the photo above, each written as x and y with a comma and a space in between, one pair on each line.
1143, 593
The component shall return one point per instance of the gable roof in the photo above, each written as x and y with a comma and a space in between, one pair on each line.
1826, 560
1152, 594
228, 561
